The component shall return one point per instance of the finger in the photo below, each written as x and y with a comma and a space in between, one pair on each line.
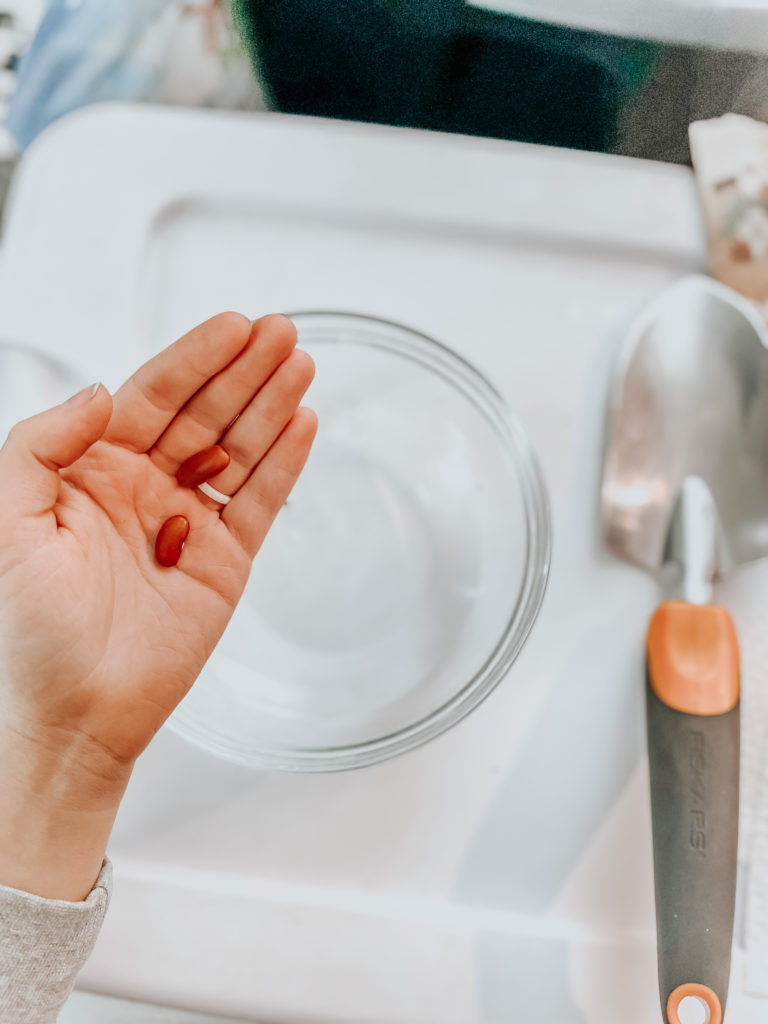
208, 413
152, 397
38, 447
260, 424
252, 510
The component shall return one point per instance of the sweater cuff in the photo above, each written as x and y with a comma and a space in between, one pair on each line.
43, 945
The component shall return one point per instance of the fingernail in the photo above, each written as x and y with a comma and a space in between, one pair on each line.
85, 395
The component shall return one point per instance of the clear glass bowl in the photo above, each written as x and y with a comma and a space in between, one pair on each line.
399, 583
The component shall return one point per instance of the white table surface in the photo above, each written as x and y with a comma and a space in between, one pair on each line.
90, 1008
502, 871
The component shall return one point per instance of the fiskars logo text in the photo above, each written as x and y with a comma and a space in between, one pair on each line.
697, 790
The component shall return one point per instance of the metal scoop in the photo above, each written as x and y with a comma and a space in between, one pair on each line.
685, 484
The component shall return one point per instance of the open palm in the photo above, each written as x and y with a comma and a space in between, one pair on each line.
97, 640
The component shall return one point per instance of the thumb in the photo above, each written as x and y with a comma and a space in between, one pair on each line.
38, 447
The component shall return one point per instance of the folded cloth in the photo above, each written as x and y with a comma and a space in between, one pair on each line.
730, 159
43, 945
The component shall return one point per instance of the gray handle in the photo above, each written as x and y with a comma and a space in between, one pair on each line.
694, 775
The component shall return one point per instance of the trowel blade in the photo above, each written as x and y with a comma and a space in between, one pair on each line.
690, 399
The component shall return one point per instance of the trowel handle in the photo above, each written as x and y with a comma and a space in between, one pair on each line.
693, 751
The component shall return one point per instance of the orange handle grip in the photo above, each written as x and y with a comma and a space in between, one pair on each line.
702, 992
693, 657
692, 709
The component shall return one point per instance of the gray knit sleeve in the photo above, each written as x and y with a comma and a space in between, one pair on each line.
43, 945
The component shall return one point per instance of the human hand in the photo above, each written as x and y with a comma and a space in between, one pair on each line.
99, 643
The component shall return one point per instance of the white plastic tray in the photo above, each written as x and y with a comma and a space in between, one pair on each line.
723, 24
503, 872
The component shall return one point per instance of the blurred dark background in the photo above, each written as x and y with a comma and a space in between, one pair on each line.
446, 65
452, 66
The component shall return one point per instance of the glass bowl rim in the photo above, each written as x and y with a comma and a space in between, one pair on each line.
436, 357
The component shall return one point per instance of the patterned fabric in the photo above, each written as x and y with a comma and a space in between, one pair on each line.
166, 51
730, 158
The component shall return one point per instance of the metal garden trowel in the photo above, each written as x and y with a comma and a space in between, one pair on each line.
685, 481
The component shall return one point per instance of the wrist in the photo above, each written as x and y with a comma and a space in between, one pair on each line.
57, 816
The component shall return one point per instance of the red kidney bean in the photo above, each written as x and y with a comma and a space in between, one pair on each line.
170, 540
202, 466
